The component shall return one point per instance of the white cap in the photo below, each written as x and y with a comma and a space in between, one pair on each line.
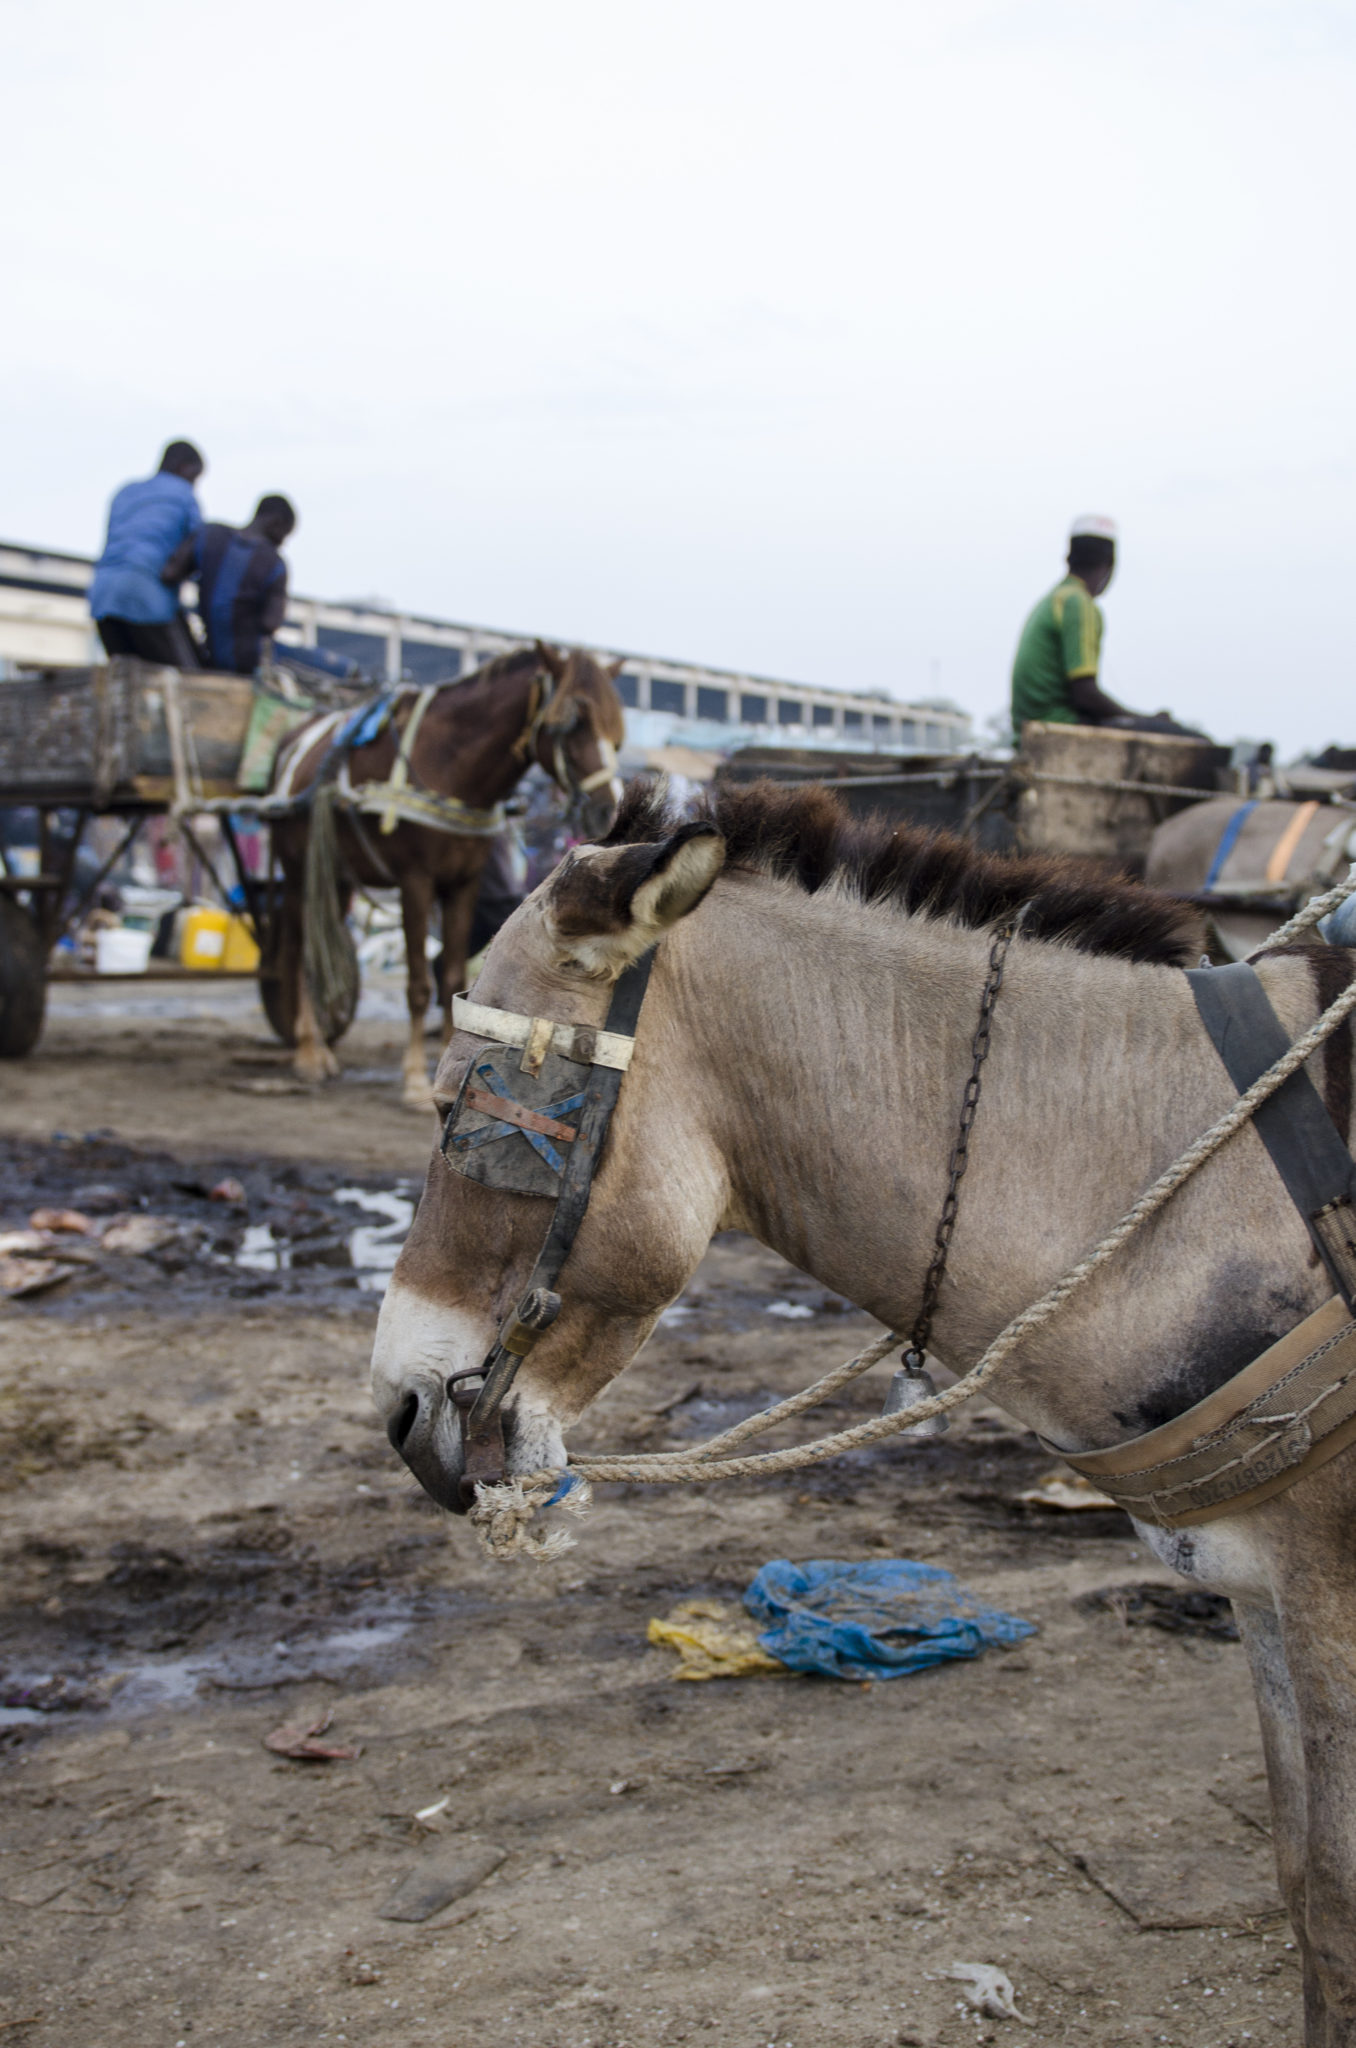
1093, 525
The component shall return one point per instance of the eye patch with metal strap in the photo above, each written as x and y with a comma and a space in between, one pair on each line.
509, 1128
500, 1131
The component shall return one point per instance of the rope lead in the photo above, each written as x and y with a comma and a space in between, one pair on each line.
502, 1513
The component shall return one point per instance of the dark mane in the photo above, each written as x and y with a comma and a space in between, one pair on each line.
500, 665
803, 834
586, 676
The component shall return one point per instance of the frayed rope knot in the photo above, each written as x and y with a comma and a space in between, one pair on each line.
503, 1515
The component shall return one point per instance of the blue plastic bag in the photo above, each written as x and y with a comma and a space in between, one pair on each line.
880, 1620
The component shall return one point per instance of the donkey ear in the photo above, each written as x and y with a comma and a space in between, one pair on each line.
553, 660
609, 904
614, 668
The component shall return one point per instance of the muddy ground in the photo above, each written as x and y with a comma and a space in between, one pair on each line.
205, 1537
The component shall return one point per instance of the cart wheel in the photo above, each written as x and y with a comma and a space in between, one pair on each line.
23, 981
278, 994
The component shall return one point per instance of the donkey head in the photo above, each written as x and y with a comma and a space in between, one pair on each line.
578, 732
657, 1196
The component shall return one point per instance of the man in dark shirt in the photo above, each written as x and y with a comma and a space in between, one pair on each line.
242, 586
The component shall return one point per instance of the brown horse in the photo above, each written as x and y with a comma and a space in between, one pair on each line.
797, 1074
474, 740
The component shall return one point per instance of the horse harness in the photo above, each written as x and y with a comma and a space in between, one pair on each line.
555, 1130
1294, 1407
402, 797
539, 1128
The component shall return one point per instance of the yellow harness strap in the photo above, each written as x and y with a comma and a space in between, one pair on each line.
400, 774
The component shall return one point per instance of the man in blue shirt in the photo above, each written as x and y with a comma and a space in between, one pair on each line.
134, 596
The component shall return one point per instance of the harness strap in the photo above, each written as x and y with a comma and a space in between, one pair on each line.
480, 1408
400, 774
1308, 1153
573, 1041
1282, 1417
1228, 840
1283, 852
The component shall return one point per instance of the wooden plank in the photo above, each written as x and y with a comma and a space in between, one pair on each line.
88, 734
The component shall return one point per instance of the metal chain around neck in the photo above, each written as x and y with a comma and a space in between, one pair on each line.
916, 1350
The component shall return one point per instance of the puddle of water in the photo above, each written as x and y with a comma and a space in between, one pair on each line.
173, 1681
262, 1252
792, 1311
374, 1247
352, 1642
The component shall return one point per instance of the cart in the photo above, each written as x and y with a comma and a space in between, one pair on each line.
1092, 791
130, 741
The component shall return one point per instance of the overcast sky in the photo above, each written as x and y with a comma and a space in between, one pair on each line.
779, 336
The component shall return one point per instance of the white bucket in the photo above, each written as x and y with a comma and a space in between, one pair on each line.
122, 950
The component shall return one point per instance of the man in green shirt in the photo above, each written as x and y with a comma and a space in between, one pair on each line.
1054, 676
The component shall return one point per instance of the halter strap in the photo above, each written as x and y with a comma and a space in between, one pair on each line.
581, 1042
479, 1408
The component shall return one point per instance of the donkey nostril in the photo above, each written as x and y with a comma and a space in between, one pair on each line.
403, 1421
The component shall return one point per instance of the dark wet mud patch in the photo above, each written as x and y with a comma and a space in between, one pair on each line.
246, 1607
1177, 1610
241, 1229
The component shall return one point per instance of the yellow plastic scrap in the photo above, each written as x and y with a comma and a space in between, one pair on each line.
714, 1639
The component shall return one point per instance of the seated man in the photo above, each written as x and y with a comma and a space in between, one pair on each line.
242, 585
134, 597
1054, 676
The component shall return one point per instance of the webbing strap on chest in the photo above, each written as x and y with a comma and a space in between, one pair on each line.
1305, 1147
1280, 1418
1294, 1407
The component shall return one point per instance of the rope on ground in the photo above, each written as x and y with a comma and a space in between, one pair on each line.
700, 1463
328, 958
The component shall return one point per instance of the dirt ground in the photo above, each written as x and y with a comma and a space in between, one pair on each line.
206, 1537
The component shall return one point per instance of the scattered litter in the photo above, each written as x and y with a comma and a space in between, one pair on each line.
438, 1806
272, 1084
61, 1219
28, 1243
1179, 1610
793, 1311
620, 1786
134, 1236
52, 1695
101, 1199
364, 1973
228, 1190
714, 1639
429, 1887
44, 1244
1069, 1492
989, 1990
31, 1276
879, 1620
303, 1744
